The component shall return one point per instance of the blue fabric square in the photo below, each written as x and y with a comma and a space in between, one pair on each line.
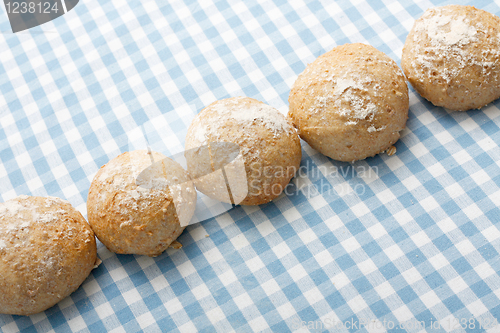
443, 243
345, 262
407, 294
453, 303
362, 284
488, 252
389, 271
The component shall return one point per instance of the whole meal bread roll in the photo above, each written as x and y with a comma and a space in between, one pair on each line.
452, 57
140, 202
242, 151
47, 250
350, 103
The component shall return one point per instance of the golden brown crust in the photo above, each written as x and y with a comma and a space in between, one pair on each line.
47, 250
268, 143
350, 103
128, 218
452, 57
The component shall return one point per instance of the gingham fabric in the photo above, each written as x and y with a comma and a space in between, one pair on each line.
405, 239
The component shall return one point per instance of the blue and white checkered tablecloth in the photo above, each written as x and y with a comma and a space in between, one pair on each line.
381, 245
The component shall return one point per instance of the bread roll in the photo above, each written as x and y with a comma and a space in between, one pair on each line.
138, 201
242, 151
47, 250
350, 103
452, 57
